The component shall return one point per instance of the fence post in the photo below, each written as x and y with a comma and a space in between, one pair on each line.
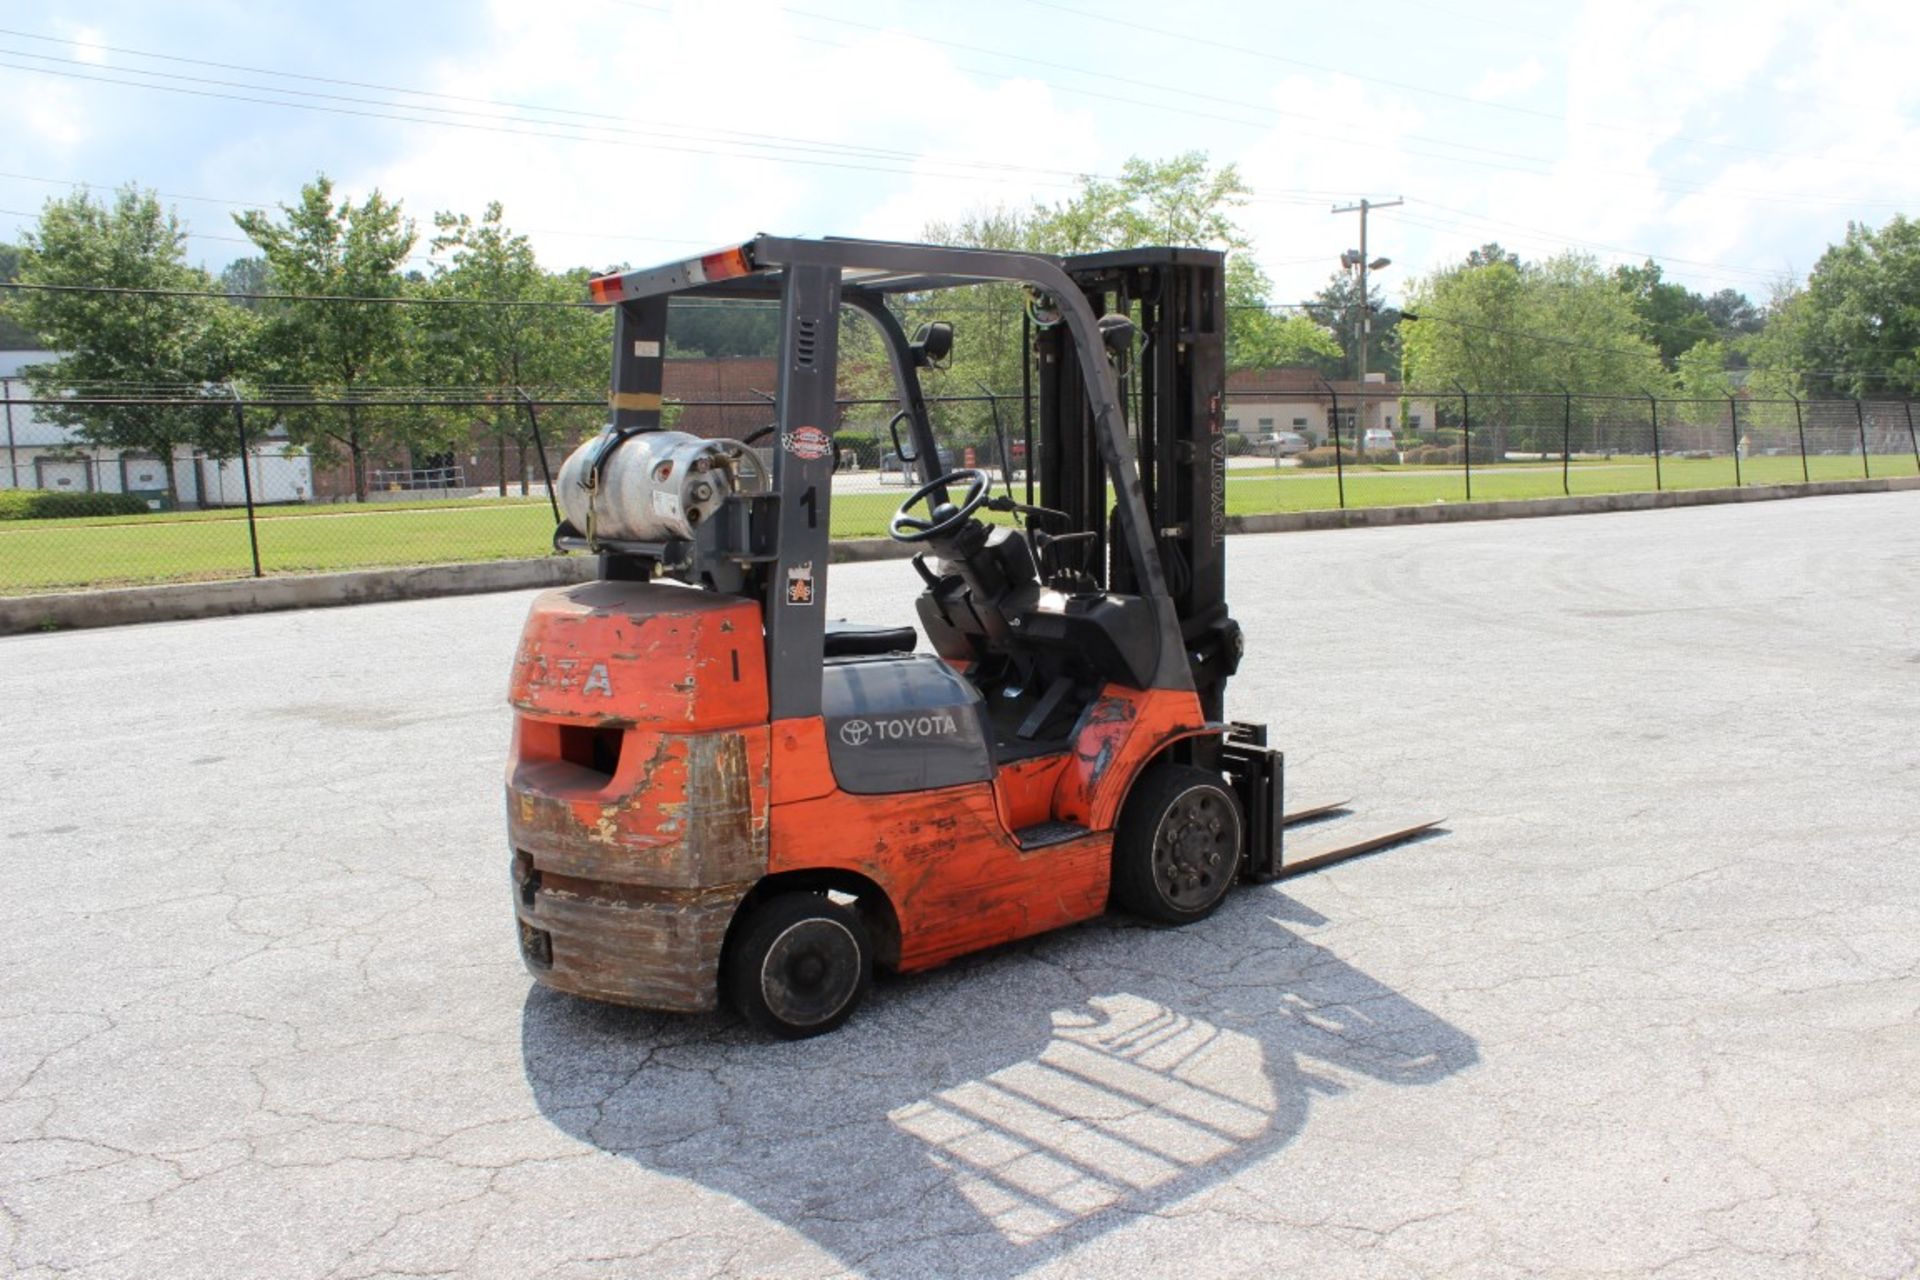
1733, 420
1653, 403
1339, 467
246, 474
540, 448
1466, 435
1566, 444
1860, 416
1911, 438
1800, 427
13, 457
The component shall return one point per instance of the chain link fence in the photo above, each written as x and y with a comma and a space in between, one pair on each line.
239, 498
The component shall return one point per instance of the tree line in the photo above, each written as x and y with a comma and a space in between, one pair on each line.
1490, 322
164, 330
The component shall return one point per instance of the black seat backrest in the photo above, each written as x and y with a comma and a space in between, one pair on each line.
854, 639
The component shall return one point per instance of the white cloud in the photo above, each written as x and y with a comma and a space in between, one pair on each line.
703, 140
88, 45
1509, 82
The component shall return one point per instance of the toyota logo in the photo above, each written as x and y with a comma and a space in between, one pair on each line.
856, 733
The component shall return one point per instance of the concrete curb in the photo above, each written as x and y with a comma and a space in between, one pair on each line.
181, 601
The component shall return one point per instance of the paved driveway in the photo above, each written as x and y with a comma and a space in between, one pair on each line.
1651, 1004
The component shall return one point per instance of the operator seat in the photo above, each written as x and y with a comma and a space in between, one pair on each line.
866, 639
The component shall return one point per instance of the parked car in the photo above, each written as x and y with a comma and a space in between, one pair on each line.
1281, 444
890, 463
1377, 440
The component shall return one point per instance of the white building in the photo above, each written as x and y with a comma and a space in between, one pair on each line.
40, 454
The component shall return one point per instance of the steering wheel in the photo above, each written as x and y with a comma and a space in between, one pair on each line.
946, 518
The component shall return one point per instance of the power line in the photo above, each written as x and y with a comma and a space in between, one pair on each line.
555, 133
619, 123
1248, 50
776, 142
497, 123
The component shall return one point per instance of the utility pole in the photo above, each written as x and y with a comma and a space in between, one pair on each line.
1364, 327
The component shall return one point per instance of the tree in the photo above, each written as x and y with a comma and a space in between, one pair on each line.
1491, 253
506, 349
324, 252
1471, 329
1855, 331
1543, 328
1264, 340
1675, 317
246, 276
1183, 200
175, 343
1774, 352
1337, 308
1733, 314
12, 336
1598, 345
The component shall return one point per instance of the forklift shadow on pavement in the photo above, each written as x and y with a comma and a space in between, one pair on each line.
984, 1119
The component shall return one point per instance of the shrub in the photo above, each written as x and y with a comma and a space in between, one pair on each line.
1236, 444
1434, 456
54, 504
1322, 457
859, 448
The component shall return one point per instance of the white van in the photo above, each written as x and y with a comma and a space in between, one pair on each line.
1377, 440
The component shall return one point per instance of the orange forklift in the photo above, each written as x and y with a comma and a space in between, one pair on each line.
716, 792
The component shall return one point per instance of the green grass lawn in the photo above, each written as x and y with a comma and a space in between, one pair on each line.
44, 555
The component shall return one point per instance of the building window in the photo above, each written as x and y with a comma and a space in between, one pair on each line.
1266, 424
1233, 424
1389, 422
1299, 422
1413, 420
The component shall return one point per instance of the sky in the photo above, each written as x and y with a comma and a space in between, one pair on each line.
1730, 140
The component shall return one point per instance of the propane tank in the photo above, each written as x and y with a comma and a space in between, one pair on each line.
654, 485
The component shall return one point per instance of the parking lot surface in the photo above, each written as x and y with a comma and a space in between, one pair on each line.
1650, 1005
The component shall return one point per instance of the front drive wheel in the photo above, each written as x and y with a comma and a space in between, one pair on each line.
800, 965
1177, 849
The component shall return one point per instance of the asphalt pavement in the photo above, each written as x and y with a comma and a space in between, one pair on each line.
1649, 1005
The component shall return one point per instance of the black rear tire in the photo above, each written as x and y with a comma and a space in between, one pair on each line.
799, 966
1177, 849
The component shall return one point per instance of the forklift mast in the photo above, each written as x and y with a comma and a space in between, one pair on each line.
1165, 312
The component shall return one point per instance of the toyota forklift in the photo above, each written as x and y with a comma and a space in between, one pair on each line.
717, 793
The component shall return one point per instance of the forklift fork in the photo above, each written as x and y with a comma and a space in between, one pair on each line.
1258, 774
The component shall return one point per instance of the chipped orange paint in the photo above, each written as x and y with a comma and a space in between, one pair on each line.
1123, 730
957, 880
642, 653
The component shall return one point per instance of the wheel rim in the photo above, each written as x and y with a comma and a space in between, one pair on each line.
1196, 850
810, 972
